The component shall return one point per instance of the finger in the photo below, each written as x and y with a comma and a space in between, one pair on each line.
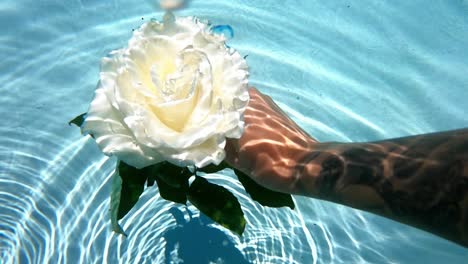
232, 151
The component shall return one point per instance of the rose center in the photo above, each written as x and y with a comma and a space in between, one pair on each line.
179, 89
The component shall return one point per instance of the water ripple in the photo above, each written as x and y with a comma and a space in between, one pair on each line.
344, 71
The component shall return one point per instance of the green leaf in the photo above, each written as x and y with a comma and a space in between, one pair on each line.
218, 204
214, 168
172, 181
128, 184
264, 196
171, 174
150, 181
78, 121
133, 184
174, 194
115, 202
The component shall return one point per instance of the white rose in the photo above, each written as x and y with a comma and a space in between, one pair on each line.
174, 94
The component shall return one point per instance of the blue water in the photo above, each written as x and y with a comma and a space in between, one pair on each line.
344, 70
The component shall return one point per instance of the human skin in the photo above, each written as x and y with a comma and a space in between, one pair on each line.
419, 180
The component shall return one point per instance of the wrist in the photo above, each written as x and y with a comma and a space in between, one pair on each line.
319, 170
344, 173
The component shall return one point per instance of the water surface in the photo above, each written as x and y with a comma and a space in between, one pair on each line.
344, 70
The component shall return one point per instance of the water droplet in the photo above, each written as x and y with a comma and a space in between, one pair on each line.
169, 18
171, 4
224, 30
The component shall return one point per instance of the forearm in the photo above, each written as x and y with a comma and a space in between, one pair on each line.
421, 181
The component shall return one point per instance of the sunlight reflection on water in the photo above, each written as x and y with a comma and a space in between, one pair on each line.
344, 73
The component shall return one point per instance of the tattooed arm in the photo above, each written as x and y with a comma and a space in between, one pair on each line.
421, 180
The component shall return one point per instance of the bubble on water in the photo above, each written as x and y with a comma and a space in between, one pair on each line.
224, 30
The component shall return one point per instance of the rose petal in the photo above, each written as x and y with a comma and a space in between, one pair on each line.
174, 94
106, 125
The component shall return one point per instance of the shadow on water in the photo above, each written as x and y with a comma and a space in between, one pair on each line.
195, 241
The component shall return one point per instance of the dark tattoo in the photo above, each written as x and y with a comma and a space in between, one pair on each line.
421, 180
332, 169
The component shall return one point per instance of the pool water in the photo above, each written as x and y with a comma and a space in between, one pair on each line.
344, 70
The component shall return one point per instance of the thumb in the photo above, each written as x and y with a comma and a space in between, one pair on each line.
232, 152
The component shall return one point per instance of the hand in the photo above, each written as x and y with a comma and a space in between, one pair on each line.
271, 145
414, 180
